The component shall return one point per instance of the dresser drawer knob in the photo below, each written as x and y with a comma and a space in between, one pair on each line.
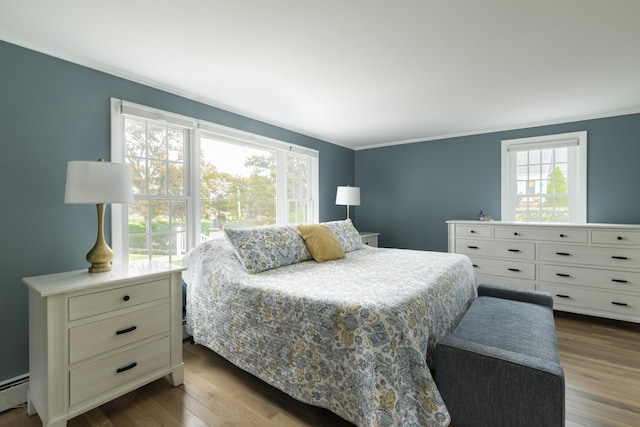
472, 231
563, 253
126, 298
619, 257
622, 304
475, 265
562, 235
126, 331
619, 237
619, 280
563, 275
562, 296
515, 233
126, 368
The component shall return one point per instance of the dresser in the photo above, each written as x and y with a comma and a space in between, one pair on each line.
96, 336
591, 269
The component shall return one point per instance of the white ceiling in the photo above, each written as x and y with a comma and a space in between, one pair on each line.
358, 73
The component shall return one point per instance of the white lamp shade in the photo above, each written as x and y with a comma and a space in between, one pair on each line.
348, 196
98, 182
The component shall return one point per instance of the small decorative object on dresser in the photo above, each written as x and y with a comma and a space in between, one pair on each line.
94, 337
591, 269
369, 238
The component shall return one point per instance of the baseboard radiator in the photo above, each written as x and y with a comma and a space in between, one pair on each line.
13, 392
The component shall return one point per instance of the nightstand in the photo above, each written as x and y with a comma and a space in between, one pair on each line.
369, 238
96, 336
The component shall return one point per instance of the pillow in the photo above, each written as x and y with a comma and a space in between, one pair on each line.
347, 234
264, 248
321, 242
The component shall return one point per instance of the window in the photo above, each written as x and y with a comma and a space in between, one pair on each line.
192, 178
544, 179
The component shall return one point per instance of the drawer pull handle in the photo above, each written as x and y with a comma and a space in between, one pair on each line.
475, 265
619, 237
472, 247
126, 298
562, 296
563, 275
513, 269
622, 304
515, 233
472, 231
619, 257
562, 235
126, 331
126, 368
513, 250
563, 253
619, 280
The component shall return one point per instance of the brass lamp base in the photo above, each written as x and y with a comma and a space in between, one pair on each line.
100, 255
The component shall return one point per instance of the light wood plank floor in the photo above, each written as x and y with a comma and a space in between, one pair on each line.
601, 360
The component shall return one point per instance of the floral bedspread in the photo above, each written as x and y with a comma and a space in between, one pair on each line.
353, 335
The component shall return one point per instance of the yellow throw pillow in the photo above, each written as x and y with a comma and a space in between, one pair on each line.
321, 242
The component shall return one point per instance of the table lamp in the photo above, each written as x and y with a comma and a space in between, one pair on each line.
349, 196
98, 182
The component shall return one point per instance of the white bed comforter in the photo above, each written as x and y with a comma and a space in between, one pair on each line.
351, 335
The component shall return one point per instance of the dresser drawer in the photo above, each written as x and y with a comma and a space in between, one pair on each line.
591, 255
574, 296
615, 237
551, 234
495, 248
96, 378
99, 337
473, 230
514, 269
605, 279
102, 302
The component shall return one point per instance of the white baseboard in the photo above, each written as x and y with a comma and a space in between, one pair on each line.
13, 393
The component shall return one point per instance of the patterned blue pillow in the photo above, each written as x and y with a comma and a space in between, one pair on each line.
264, 248
347, 234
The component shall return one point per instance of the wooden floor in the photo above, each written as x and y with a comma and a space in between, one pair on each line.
601, 360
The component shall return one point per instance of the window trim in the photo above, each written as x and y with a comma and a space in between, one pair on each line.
578, 183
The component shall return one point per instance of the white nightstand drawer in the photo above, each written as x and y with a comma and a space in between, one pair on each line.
99, 337
473, 230
570, 235
591, 255
514, 269
369, 238
102, 302
574, 296
96, 378
495, 248
580, 276
615, 237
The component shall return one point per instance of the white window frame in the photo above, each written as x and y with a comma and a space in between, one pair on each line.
577, 175
119, 213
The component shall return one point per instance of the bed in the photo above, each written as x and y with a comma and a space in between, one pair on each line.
355, 335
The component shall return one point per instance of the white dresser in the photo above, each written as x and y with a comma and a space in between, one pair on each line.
96, 336
591, 269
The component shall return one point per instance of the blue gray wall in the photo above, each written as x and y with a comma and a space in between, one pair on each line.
409, 191
53, 111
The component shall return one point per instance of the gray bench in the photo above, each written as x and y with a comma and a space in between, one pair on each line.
500, 367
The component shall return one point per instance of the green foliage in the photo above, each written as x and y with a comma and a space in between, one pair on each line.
557, 185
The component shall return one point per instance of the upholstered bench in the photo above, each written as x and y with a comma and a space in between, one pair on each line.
500, 366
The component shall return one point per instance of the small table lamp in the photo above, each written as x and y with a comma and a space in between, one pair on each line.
348, 196
98, 182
